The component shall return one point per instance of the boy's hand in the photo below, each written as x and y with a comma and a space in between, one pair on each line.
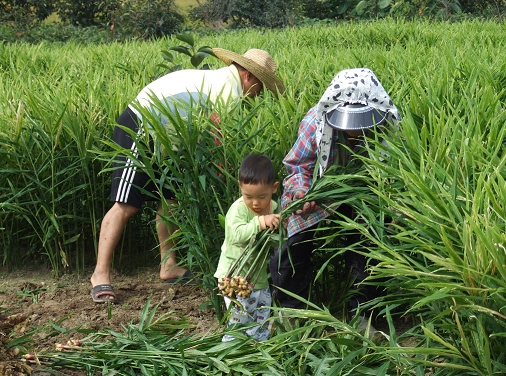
271, 221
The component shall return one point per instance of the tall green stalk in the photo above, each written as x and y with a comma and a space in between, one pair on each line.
431, 214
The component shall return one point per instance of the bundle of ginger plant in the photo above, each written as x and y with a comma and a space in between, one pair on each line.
243, 273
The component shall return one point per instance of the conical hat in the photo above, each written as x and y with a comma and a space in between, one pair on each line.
259, 62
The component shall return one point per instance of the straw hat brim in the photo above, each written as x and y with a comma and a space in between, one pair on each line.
269, 79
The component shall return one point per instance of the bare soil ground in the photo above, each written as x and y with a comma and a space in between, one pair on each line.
32, 299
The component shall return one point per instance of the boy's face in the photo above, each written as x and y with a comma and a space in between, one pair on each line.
258, 197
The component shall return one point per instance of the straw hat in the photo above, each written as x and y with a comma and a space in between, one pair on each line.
256, 61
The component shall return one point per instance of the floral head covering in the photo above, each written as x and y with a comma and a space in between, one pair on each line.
353, 86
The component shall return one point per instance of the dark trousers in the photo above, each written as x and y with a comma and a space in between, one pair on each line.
292, 270
356, 265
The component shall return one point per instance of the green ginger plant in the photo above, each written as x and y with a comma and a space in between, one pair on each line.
197, 56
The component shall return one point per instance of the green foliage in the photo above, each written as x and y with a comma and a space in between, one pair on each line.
40, 195
22, 15
197, 56
85, 12
483, 7
370, 9
55, 33
146, 19
315, 344
32, 292
432, 211
49, 138
25, 12
119, 19
430, 204
213, 14
100, 22
247, 13
243, 13
45, 167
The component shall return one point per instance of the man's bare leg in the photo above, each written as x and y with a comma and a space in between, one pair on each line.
168, 265
112, 227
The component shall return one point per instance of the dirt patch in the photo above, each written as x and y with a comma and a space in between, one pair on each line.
31, 299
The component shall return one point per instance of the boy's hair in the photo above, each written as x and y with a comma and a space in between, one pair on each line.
257, 169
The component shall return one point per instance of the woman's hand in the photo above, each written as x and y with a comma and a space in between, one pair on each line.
307, 208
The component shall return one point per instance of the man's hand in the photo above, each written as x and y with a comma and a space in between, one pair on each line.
307, 208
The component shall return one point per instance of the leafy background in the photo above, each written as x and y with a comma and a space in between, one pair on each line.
432, 213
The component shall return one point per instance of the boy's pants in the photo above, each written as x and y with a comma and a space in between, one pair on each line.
255, 309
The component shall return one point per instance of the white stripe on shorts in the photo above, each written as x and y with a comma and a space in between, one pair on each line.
128, 174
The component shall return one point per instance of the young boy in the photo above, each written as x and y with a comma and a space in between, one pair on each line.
249, 215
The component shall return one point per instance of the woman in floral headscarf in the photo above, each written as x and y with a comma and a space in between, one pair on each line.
354, 101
